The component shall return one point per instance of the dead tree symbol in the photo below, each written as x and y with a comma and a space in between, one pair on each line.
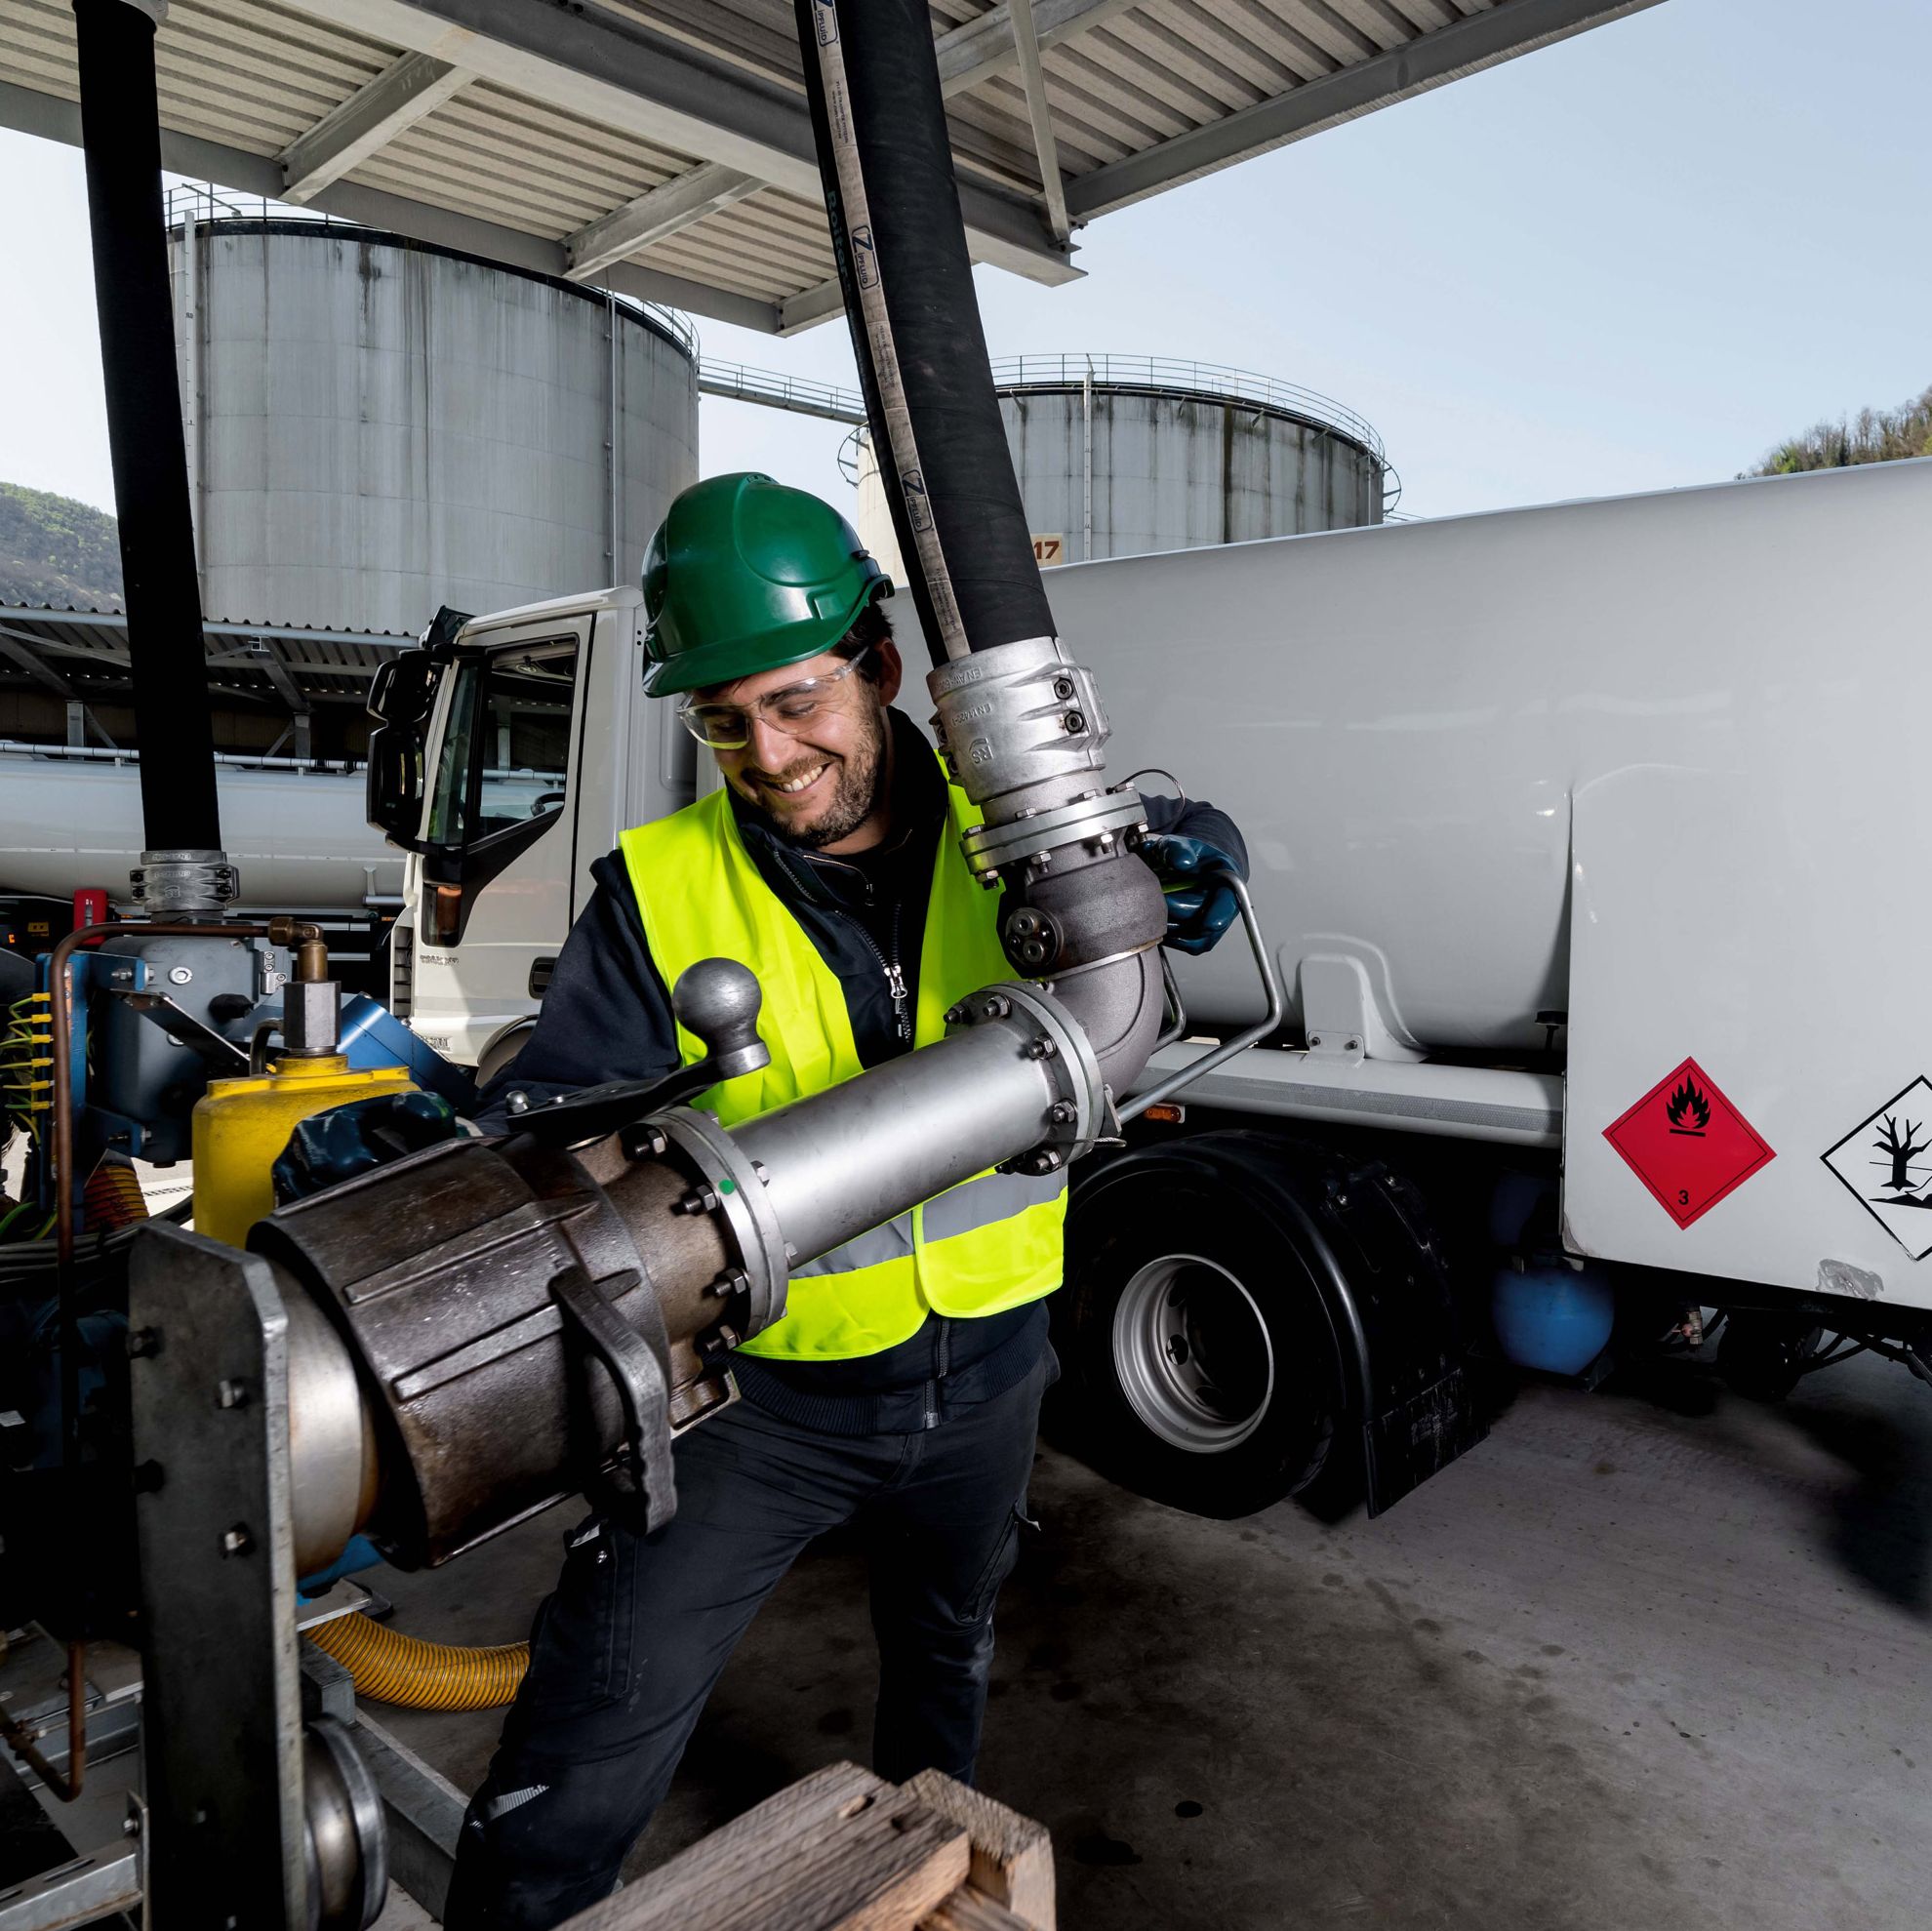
1901, 1151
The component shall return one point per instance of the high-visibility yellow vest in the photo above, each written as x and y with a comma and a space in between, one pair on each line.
990, 1243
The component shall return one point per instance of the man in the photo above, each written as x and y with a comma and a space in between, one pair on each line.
902, 1390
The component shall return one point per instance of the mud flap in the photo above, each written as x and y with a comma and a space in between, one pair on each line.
1416, 1438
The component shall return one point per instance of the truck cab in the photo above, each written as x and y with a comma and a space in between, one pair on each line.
479, 770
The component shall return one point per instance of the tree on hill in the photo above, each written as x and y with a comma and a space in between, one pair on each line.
54, 550
1872, 435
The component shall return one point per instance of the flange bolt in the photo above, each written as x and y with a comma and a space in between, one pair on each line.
700, 1200
1063, 1112
641, 1141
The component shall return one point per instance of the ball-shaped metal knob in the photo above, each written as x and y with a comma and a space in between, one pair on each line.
719, 1000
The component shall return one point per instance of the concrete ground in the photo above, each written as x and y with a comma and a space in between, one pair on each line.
1652, 1657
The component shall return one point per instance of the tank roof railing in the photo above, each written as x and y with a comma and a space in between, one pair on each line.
1167, 375
205, 203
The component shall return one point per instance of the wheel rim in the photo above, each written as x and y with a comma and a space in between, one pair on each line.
1194, 1354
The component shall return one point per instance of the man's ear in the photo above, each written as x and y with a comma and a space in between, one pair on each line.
892, 671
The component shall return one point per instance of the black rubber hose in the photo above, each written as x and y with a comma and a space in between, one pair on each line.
899, 241
121, 138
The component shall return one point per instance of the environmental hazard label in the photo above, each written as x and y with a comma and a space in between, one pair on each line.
1688, 1143
1884, 1161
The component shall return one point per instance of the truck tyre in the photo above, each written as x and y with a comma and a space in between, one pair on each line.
1199, 1365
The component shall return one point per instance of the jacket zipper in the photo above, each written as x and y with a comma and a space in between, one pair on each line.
893, 971
941, 1347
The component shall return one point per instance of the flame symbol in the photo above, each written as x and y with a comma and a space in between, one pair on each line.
1687, 1104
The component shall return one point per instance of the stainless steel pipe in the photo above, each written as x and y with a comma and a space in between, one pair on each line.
840, 1162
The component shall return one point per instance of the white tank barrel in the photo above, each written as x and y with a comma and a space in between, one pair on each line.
298, 837
1399, 719
377, 427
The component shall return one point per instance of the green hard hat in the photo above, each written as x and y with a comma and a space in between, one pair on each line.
745, 575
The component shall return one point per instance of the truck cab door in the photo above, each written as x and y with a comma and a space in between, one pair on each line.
499, 833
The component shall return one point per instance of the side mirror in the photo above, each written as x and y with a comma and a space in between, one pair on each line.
401, 696
404, 689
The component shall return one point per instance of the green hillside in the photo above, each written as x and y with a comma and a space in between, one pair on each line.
54, 550
1872, 435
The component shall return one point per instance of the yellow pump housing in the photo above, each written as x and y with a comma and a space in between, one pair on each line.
242, 1125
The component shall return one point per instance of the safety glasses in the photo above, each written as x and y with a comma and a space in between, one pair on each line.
791, 710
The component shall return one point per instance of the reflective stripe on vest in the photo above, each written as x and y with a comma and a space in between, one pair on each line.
990, 1243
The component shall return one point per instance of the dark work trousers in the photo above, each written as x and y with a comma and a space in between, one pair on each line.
624, 1653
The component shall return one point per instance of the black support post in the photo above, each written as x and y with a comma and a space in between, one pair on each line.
121, 136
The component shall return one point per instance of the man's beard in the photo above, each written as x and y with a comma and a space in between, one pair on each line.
855, 782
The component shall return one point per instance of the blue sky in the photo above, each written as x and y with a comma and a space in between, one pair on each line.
1629, 262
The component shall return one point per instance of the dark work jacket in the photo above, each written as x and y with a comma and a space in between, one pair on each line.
606, 1015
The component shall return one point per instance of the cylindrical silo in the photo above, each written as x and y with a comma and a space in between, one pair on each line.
377, 427
1121, 455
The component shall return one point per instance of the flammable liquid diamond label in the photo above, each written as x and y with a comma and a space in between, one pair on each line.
1688, 1143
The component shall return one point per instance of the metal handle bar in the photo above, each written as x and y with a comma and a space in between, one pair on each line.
1226, 1050
1179, 1025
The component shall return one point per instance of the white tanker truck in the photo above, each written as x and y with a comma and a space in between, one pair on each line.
1582, 839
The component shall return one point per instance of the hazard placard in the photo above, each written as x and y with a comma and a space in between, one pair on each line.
1688, 1143
1883, 1161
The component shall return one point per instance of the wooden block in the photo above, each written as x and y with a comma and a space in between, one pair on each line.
837, 1851
1012, 1855
968, 1909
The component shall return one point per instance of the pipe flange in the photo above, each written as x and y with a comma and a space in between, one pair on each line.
1099, 821
738, 1192
194, 880
346, 1835
1077, 1120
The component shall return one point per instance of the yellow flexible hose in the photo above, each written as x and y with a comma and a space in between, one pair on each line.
391, 1668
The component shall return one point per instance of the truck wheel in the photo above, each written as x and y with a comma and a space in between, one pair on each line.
1200, 1369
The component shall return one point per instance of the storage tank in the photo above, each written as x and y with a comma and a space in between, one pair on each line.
1120, 455
377, 427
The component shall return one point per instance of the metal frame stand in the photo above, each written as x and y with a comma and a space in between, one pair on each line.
222, 1699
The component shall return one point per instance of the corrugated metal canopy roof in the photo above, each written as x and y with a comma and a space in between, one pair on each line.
83, 654
662, 148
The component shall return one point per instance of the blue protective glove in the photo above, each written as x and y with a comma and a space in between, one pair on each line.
1198, 910
351, 1139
